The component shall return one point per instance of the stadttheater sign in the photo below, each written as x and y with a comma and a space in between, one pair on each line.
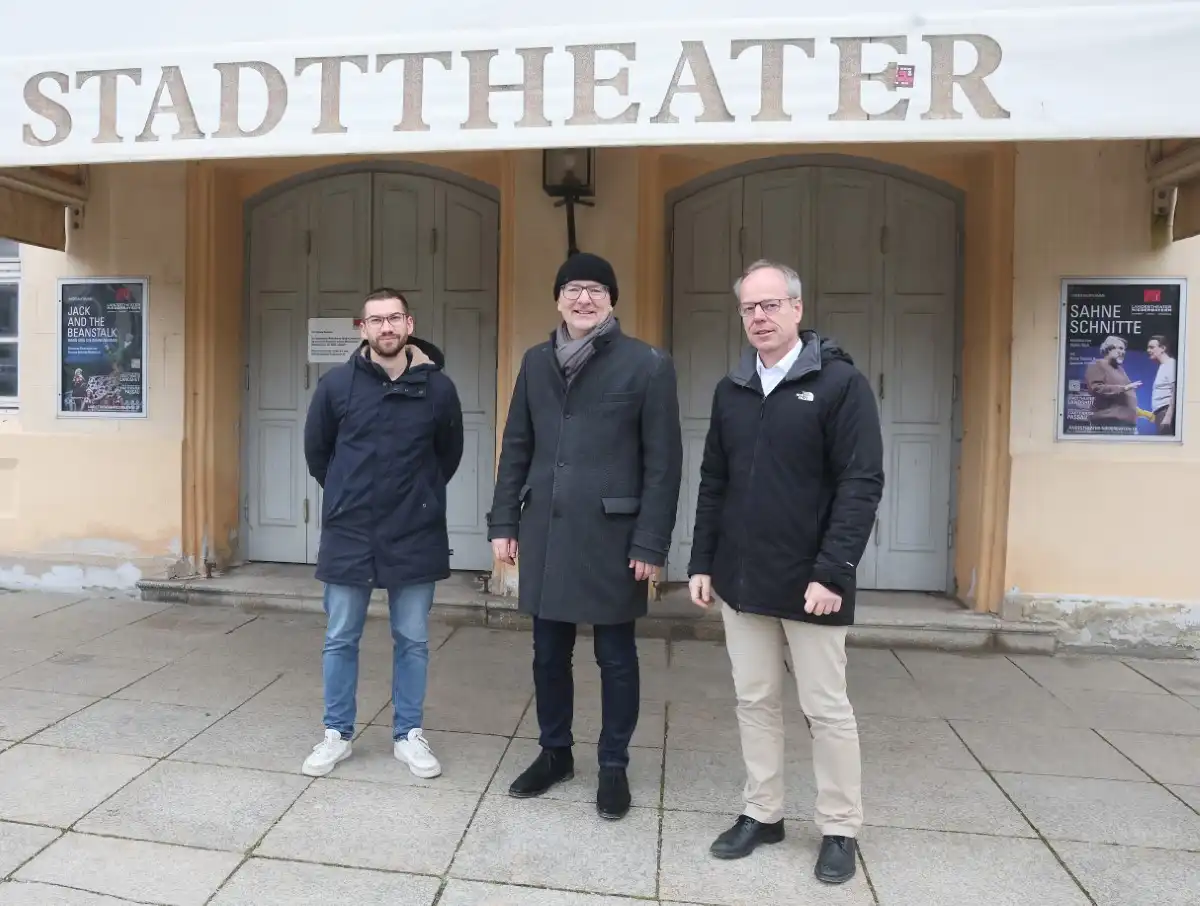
1031, 74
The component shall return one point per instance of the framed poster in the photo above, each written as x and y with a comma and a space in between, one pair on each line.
1121, 360
102, 338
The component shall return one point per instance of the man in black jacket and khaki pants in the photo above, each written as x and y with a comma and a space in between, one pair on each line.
790, 481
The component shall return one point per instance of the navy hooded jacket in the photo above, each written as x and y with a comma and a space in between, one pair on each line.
383, 451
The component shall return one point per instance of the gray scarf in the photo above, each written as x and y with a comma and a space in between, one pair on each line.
574, 354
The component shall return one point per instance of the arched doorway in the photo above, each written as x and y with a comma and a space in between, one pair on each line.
315, 247
878, 251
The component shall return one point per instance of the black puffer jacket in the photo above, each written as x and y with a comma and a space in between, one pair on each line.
789, 484
384, 451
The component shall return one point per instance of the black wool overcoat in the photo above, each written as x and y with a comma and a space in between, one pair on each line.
589, 479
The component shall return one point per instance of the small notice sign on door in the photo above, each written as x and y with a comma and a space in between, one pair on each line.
332, 340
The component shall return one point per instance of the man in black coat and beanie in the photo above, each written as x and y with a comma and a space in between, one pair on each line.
586, 491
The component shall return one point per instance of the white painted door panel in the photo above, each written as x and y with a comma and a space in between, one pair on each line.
276, 475
916, 409
465, 286
706, 333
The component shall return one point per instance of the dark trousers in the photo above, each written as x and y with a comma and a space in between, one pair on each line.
617, 657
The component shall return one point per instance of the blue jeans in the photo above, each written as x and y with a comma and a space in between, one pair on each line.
346, 607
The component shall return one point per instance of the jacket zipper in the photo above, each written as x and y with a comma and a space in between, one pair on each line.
762, 409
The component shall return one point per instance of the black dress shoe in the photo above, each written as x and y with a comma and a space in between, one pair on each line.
836, 863
741, 839
551, 767
612, 793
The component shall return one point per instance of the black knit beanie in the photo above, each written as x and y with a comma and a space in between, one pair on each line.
586, 266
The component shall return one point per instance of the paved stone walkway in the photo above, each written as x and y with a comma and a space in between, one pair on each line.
152, 756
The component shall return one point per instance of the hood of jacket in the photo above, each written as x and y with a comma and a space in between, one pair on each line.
420, 352
816, 353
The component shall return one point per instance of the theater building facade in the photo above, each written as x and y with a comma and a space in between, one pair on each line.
991, 208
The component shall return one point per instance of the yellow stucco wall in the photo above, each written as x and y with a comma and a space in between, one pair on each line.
99, 499
1093, 520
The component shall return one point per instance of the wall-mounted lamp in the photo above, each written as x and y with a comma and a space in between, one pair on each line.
568, 174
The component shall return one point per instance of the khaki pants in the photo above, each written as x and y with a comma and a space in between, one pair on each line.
755, 646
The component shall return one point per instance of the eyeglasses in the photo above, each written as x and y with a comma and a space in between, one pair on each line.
769, 307
396, 318
573, 291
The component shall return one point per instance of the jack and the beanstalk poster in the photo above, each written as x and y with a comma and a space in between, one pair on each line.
102, 342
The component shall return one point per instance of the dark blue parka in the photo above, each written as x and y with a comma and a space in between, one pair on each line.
383, 451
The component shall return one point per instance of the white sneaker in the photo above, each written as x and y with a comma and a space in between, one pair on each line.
414, 751
326, 754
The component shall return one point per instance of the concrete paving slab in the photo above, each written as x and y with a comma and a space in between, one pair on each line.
479, 893
1179, 676
29, 604
24, 712
193, 682
1104, 811
1131, 711
999, 704
928, 798
713, 727
265, 882
15, 659
903, 742
713, 782
560, 844
878, 692
931, 868
1133, 876
132, 870
779, 875
22, 893
1165, 757
644, 772
21, 842
943, 668
373, 825
197, 805
1189, 794
57, 787
1043, 749
469, 760
475, 710
82, 674
257, 739
128, 728
1093, 674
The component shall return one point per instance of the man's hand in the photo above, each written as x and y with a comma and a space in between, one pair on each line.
1133, 385
641, 570
820, 601
700, 587
505, 550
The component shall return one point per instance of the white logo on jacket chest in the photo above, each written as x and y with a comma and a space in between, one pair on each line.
805, 396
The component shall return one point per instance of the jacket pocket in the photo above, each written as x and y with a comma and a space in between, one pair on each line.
621, 506
523, 496
623, 397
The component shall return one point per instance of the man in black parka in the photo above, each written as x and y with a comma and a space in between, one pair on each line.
586, 491
383, 438
790, 481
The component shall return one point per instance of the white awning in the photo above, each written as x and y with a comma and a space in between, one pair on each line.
127, 81
35, 204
